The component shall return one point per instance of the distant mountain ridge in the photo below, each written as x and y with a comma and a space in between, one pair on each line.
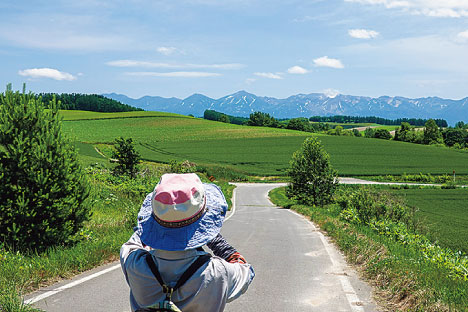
242, 104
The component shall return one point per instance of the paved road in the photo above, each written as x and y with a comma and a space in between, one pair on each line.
296, 268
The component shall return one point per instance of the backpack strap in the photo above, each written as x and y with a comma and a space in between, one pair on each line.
201, 260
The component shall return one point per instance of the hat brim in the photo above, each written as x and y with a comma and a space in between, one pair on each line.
191, 236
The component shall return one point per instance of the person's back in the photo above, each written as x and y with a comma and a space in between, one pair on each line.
221, 279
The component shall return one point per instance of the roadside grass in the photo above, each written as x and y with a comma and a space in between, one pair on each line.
257, 151
115, 204
460, 179
405, 280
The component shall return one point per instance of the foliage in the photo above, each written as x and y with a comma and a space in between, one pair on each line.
376, 120
300, 124
382, 134
217, 116
86, 102
126, 157
224, 118
356, 133
364, 205
432, 133
339, 131
369, 133
43, 188
313, 180
182, 166
455, 136
420, 177
260, 119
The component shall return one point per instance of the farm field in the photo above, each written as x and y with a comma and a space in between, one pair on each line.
257, 150
444, 212
86, 115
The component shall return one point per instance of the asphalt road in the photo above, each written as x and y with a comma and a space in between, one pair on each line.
296, 268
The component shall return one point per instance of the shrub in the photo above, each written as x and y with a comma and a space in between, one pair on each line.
182, 166
382, 134
126, 157
313, 180
43, 188
364, 205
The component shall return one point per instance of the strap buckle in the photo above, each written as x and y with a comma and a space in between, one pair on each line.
168, 291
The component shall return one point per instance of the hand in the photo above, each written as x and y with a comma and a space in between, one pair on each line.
221, 247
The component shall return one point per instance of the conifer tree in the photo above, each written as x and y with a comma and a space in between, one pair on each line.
43, 188
126, 157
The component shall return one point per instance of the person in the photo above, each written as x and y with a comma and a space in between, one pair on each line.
175, 221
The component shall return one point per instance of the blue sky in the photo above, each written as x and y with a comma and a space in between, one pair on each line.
412, 48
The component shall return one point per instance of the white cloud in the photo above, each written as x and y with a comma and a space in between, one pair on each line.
134, 63
166, 50
331, 93
250, 80
46, 73
179, 74
268, 75
325, 61
433, 8
362, 33
297, 70
463, 35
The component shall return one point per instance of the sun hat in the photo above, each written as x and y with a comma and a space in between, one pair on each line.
181, 213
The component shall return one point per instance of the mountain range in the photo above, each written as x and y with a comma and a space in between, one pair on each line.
242, 104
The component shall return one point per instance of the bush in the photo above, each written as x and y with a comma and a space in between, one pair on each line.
43, 188
313, 180
126, 157
382, 134
182, 166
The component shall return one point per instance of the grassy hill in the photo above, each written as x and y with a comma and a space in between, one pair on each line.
163, 137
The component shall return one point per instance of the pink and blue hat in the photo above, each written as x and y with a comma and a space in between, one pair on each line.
181, 213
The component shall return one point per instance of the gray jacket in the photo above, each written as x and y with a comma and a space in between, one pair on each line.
214, 284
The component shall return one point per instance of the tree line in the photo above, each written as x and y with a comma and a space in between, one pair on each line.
378, 120
86, 102
432, 132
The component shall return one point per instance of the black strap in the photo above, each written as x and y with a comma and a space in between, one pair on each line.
201, 260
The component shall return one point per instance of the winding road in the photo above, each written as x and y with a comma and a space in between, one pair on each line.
297, 269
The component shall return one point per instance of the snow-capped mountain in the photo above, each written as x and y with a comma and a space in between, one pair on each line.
243, 104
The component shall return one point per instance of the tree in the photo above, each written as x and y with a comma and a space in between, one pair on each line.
404, 133
260, 119
382, 134
298, 124
432, 133
224, 118
455, 136
369, 132
43, 189
126, 157
356, 133
313, 180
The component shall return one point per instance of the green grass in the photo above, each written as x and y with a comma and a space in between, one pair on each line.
444, 212
259, 150
69, 115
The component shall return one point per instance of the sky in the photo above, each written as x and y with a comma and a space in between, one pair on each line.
277, 48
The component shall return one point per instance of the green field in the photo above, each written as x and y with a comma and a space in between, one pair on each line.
444, 212
256, 150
